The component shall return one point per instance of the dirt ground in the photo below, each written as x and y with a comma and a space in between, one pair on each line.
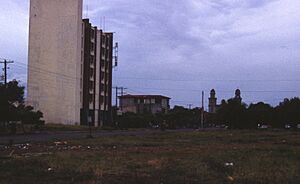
168, 157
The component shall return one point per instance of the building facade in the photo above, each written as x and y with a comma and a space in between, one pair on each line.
54, 59
144, 104
96, 75
69, 64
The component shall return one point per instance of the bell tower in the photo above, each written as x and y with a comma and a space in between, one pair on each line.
238, 95
212, 105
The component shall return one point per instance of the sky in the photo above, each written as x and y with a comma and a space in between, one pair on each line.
179, 48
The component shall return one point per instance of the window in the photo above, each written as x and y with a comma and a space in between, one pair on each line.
91, 72
91, 85
91, 98
146, 101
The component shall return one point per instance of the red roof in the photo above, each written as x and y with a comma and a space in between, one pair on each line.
144, 96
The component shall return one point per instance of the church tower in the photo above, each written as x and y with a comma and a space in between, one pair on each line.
212, 106
238, 95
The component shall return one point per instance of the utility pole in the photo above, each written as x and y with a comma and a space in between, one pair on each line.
122, 90
202, 111
190, 106
119, 93
122, 93
5, 62
117, 90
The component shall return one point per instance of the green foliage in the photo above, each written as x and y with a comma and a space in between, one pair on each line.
178, 117
131, 120
237, 115
288, 112
12, 108
232, 113
259, 113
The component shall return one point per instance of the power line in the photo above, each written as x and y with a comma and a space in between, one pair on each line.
40, 70
224, 91
162, 79
209, 80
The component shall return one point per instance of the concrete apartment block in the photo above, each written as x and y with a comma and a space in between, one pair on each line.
55, 59
96, 76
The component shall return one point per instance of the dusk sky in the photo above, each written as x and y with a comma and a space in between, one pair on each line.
178, 48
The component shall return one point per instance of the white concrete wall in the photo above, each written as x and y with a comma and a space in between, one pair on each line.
54, 59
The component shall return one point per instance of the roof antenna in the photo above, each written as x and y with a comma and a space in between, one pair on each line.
87, 11
104, 23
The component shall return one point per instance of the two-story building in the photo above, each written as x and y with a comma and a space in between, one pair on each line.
143, 104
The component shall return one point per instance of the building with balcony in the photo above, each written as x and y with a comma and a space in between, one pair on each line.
96, 75
144, 104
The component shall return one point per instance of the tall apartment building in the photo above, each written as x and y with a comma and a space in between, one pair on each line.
96, 75
69, 64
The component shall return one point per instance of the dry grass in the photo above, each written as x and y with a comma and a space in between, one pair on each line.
195, 157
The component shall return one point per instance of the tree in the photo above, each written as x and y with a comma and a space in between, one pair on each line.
260, 113
12, 106
232, 113
288, 112
10, 97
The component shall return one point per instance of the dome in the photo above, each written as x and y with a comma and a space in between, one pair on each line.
212, 91
237, 92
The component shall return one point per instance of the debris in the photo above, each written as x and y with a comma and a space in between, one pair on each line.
11, 153
50, 169
88, 147
8, 156
27, 155
74, 147
58, 143
114, 147
230, 178
228, 164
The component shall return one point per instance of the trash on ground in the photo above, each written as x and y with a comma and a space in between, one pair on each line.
228, 164
58, 143
230, 178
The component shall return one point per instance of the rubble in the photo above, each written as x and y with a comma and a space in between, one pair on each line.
228, 164
60, 143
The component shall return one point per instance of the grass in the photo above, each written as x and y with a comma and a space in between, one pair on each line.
60, 127
190, 157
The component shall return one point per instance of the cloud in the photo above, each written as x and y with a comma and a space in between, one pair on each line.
202, 40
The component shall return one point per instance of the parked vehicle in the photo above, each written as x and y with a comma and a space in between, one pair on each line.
287, 126
262, 126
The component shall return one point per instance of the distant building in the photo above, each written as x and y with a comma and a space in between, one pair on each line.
238, 95
142, 104
212, 100
69, 64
